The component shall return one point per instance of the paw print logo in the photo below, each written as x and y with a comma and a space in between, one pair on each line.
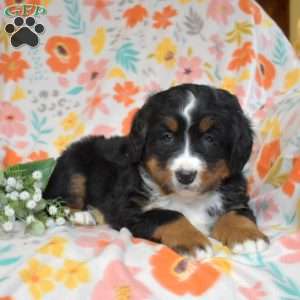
24, 32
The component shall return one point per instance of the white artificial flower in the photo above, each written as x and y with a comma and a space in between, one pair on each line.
3, 182
13, 196
37, 197
37, 185
8, 188
9, 211
37, 190
24, 195
60, 221
30, 219
67, 211
19, 185
31, 204
37, 175
72, 218
11, 181
50, 222
52, 210
8, 226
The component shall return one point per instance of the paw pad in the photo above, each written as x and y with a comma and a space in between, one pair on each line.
24, 32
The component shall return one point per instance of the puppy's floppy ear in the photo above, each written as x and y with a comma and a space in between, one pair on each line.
242, 138
138, 133
241, 132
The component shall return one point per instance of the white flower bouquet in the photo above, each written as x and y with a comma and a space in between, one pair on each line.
21, 198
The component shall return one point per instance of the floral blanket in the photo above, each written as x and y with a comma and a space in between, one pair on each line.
93, 65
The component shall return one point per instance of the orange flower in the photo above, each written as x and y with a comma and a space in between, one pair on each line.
269, 154
125, 92
162, 19
126, 123
265, 72
288, 187
135, 15
64, 54
96, 102
11, 158
6, 298
13, 2
242, 56
38, 155
250, 8
181, 275
12, 66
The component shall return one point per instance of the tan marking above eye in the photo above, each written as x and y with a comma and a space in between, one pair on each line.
206, 123
162, 176
213, 176
172, 124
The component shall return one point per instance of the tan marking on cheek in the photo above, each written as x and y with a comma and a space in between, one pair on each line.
160, 175
172, 124
206, 123
77, 190
212, 177
181, 236
233, 228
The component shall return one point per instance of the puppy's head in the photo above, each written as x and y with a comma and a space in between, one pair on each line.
190, 138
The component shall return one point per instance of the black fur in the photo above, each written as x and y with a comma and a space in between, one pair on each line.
111, 166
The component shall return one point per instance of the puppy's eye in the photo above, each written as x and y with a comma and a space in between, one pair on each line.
167, 138
209, 139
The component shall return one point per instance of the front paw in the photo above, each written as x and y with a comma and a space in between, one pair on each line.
184, 238
240, 234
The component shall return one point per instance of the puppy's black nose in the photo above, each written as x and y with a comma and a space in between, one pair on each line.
185, 177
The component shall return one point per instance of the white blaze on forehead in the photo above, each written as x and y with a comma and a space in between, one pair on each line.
185, 160
187, 111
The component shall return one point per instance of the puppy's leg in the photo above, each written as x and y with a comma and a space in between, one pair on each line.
239, 233
77, 191
170, 228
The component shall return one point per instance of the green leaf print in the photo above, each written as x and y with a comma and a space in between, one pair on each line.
127, 57
75, 22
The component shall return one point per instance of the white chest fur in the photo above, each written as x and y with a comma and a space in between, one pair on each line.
195, 208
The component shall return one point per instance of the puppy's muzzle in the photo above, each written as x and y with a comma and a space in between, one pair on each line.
185, 177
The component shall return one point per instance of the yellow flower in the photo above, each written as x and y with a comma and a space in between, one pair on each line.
221, 250
116, 73
73, 273
229, 84
62, 142
37, 276
292, 78
4, 37
79, 130
271, 126
222, 264
165, 53
98, 40
18, 94
267, 22
70, 121
245, 75
184, 1
55, 247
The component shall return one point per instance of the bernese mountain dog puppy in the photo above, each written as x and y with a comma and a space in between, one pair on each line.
175, 179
